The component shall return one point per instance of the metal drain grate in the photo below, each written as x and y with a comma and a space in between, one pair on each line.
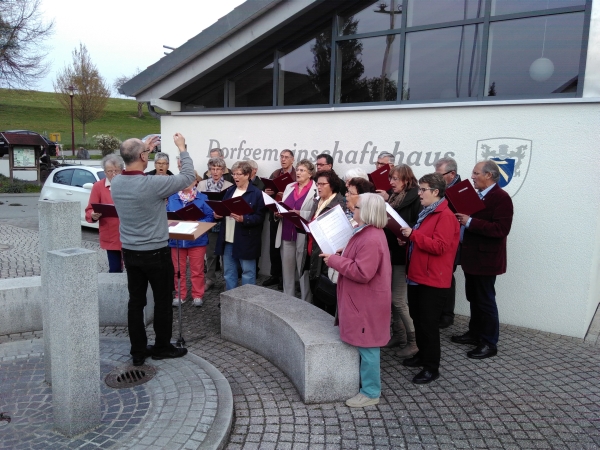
126, 377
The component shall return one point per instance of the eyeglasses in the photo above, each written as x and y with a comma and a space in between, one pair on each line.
322, 184
446, 173
395, 179
380, 164
322, 164
422, 190
161, 163
351, 193
113, 171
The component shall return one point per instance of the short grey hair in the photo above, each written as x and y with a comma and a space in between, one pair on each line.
356, 172
113, 159
372, 210
392, 158
450, 164
161, 155
217, 162
492, 168
243, 167
218, 150
252, 164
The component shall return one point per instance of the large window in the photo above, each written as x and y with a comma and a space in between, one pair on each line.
397, 51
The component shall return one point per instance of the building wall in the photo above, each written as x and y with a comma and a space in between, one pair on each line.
552, 282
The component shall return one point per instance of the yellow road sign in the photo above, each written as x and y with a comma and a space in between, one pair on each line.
55, 137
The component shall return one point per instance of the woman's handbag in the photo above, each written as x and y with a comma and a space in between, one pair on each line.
326, 290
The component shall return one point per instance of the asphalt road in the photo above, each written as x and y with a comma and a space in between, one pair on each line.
21, 210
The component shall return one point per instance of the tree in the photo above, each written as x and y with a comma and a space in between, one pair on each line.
92, 92
120, 81
22, 31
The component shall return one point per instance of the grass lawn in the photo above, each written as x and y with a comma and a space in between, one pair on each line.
41, 112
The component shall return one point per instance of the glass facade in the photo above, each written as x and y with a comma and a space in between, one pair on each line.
399, 51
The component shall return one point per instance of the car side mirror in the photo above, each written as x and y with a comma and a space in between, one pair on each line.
88, 186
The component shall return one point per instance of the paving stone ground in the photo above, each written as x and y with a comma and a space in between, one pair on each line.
541, 391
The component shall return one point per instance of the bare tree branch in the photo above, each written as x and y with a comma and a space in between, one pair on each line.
22, 33
92, 92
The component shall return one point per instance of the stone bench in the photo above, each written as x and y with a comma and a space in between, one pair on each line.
21, 303
297, 337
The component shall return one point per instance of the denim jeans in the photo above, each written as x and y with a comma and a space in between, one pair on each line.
154, 267
370, 372
230, 270
115, 261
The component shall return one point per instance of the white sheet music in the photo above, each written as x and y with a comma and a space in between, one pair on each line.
392, 212
332, 230
183, 228
269, 201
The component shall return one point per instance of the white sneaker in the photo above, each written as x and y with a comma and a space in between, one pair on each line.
176, 301
361, 400
198, 302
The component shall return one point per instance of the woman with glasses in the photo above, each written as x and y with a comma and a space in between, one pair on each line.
405, 201
364, 294
215, 183
355, 187
432, 245
108, 227
298, 197
239, 240
328, 185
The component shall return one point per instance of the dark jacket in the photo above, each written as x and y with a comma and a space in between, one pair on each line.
247, 234
409, 210
483, 250
258, 183
317, 266
153, 172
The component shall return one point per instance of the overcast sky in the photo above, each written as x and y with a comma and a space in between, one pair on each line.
122, 35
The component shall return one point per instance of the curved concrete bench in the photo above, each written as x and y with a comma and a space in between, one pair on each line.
297, 337
21, 303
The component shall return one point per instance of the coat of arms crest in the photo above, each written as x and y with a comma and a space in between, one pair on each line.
512, 155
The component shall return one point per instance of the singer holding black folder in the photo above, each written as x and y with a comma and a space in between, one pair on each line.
108, 227
240, 236
192, 250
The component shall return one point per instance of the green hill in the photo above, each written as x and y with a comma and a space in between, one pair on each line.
41, 112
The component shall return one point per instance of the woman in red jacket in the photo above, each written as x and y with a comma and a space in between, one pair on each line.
110, 239
364, 294
432, 245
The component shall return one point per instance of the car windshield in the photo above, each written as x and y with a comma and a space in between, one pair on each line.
101, 175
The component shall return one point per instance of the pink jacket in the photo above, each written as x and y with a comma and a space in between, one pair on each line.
109, 226
364, 289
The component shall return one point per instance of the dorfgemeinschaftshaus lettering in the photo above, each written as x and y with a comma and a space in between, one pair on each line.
363, 154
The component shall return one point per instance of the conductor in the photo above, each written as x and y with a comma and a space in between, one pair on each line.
140, 204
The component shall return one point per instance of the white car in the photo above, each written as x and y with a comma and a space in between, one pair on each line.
73, 183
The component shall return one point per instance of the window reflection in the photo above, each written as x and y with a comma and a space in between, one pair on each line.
369, 69
254, 88
425, 12
304, 73
442, 63
535, 56
516, 6
377, 16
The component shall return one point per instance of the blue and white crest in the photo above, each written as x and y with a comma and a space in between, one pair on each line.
512, 155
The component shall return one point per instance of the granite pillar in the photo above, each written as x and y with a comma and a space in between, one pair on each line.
73, 335
60, 227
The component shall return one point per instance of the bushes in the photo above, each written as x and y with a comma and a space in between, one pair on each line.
17, 186
107, 143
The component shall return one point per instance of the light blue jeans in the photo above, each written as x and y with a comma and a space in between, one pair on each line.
230, 269
370, 374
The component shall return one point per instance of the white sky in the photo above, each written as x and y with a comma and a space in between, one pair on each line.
124, 35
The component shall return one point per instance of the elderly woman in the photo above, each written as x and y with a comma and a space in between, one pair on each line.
355, 172
215, 183
193, 251
356, 186
328, 185
431, 250
405, 201
299, 197
161, 165
364, 294
240, 236
108, 227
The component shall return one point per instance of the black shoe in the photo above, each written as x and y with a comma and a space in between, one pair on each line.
482, 351
415, 361
446, 322
175, 352
271, 281
140, 360
425, 376
466, 339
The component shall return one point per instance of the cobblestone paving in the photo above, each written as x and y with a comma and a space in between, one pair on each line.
541, 391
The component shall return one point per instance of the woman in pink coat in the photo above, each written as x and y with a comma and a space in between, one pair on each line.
110, 239
364, 294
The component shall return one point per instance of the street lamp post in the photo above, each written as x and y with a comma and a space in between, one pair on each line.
71, 94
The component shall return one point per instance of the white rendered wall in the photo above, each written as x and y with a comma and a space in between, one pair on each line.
552, 282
